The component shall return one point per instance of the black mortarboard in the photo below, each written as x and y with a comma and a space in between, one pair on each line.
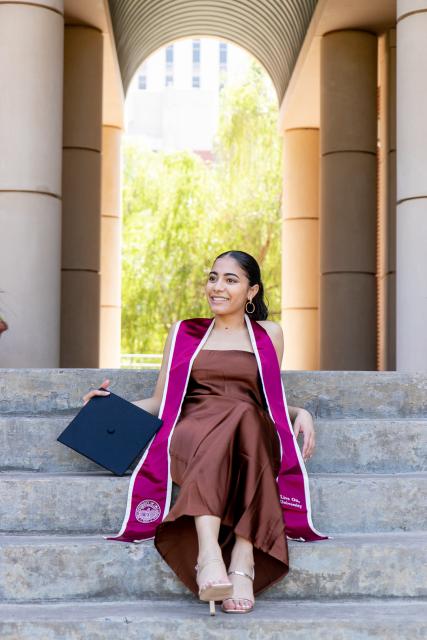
111, 431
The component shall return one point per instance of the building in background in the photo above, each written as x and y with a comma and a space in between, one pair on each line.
173, 99
352, 89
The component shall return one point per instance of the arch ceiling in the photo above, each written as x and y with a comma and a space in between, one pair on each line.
271, 30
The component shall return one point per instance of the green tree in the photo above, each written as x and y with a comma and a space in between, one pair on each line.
179, 213
248, 151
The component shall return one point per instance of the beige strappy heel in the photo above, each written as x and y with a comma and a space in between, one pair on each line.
214, 591
247, 609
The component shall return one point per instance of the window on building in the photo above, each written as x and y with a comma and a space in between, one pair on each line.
223, 55
169, 54
142, 82
169, 65
196, 82
196, 51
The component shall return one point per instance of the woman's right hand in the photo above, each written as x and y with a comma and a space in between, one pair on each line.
96, 392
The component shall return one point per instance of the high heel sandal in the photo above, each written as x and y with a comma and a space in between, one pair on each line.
215, 590
247, 609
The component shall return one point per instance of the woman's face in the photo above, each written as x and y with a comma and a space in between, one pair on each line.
227, 287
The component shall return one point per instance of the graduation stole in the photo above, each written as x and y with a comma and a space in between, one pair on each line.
150, 487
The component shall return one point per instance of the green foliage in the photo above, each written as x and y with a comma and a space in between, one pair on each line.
179, 213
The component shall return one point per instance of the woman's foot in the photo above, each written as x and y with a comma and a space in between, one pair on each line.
211, 576
242, 599
242, 562
211, 570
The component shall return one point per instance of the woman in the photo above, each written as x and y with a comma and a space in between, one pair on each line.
225, 453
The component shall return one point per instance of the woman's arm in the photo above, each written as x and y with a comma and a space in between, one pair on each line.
294, 411
149, 404
152, 405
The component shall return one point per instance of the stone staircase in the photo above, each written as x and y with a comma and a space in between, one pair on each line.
59, 579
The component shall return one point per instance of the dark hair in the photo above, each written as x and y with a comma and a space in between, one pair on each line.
251, 267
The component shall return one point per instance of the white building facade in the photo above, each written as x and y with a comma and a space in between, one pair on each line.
173, 100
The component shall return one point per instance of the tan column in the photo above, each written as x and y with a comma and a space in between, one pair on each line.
80, 307
300, 248
386, 255
348, 139
411, 228
31, 72
111, 230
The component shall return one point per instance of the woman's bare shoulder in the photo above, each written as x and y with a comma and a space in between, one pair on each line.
272, 328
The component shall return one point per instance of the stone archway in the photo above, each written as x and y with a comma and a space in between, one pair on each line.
273, 33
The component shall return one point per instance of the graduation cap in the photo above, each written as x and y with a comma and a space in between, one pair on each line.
110, 431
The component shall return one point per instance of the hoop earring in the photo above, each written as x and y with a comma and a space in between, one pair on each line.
246, 306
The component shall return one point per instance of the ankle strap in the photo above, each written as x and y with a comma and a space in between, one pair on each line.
242, 573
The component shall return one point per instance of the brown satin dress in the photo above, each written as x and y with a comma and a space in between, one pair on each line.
225, 456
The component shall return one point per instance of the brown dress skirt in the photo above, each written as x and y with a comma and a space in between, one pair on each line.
225, 456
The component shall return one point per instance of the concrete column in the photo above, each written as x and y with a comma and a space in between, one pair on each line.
300, 248
411, 228
348, 140
111, 229
31, 73
80, 308
386, 257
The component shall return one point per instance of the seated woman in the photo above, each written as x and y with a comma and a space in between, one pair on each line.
225, 535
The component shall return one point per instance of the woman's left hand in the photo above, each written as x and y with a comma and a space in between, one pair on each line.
304, 422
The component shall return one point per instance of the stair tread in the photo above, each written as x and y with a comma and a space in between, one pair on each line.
406, 537
307, 610
51, 568
394, 394
67, 413
44, 475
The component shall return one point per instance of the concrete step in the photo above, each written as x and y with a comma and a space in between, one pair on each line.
365, 619
338, 394
94, 503
29, 443
345, 445
369, 446
53, 568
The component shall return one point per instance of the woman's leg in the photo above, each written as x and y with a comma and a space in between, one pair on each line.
242, 559
207, 528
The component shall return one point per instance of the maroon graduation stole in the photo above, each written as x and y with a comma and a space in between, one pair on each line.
150, 487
